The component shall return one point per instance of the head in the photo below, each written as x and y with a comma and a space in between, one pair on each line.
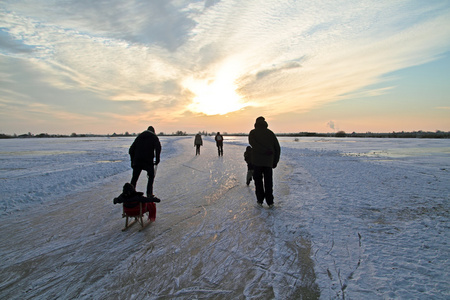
261, 123
128, 189
150, 128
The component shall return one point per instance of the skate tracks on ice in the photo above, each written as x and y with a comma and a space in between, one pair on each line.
209, 241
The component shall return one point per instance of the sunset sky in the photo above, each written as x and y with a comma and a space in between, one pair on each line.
314, 65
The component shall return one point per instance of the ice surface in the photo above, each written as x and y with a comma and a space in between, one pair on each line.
354, 219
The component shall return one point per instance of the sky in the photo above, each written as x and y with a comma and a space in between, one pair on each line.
103, 67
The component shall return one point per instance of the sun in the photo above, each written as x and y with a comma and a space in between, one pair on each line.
216, 96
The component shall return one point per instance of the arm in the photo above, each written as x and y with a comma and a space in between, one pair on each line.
131, 151
277, 151
158, 149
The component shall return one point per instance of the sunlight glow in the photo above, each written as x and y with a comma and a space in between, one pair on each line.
215, 96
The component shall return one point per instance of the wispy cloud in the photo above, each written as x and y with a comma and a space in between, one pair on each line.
279, 55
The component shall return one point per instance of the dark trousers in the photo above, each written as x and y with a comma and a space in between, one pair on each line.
220, 148
263, 184
197, 149
151, 176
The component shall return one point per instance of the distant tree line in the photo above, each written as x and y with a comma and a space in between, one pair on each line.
46, 135
414, 134
341, 134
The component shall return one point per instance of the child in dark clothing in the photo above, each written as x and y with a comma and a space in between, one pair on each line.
248, 160
131, 199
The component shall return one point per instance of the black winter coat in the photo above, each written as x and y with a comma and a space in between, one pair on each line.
144, 150
265, 146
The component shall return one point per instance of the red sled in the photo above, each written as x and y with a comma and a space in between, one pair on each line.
137, 214
136, 206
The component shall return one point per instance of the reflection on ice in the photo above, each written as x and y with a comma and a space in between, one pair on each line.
354, 218
39, 153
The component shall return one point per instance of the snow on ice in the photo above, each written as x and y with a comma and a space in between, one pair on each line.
353, 219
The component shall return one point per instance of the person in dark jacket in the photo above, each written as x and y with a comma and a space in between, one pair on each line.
145, 148
219, 143
248, 160
265, 157
198, 142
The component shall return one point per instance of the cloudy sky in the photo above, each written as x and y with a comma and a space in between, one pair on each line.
309, 65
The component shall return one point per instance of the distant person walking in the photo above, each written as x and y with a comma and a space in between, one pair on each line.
265, 156
219, 143
145, 148
198, 142
248, 160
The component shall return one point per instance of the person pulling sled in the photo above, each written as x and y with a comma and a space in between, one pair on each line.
145, 154
145, 148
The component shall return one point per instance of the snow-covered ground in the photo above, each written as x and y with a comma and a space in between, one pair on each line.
354, 219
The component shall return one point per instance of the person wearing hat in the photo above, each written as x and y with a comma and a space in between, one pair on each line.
265, 157
145, 154
219, 143
198, 142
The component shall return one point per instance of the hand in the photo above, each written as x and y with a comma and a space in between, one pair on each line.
274, 165
156, 161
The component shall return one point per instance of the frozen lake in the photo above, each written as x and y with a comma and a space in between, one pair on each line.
354, 218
